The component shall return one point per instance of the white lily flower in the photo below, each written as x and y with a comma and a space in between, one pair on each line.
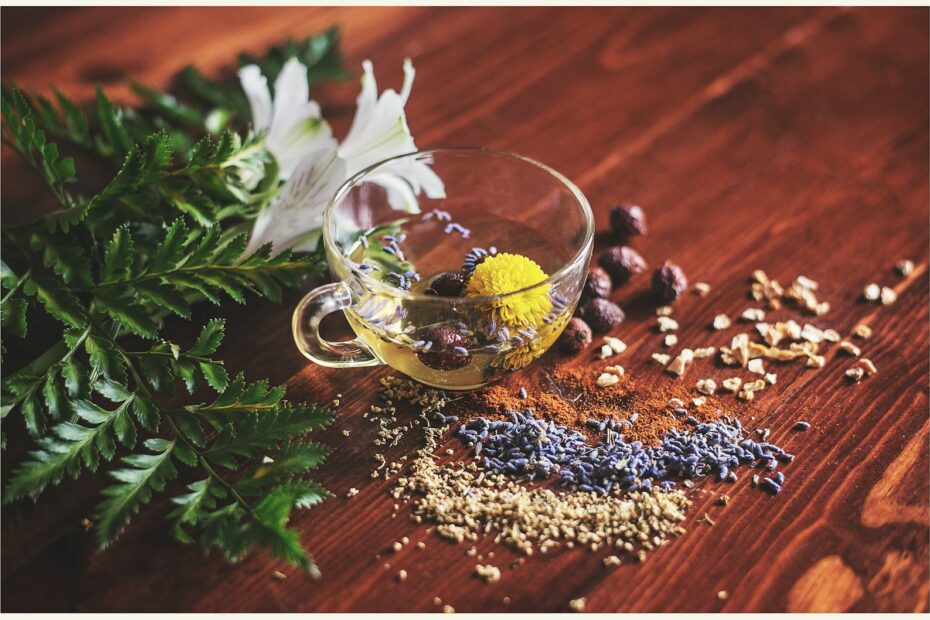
295, 217
379, 131
293, 122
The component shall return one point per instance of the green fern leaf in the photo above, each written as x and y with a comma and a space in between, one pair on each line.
105, 358
146, 474
115, 137
66, 260
209, 339
252, 436
56, 398
293, 458
64, 452
304, 493
117, 258
170, 253
127, 311
13, 316
59, 302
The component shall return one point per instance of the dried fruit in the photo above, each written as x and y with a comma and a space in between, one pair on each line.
628, 221
447, 348
669, 282
621, 263
597, 284
577, 336
602, 315
447, 284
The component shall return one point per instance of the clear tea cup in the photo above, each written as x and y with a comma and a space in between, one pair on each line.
501, 203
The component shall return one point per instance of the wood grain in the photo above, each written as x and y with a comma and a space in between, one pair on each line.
793, 140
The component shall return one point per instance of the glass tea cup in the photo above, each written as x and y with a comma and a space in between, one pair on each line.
382, 259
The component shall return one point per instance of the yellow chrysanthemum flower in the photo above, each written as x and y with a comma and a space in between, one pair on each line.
506, 273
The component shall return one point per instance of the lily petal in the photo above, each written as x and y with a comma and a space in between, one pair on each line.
379, 131
293, 121
297, 213
291, 88
255, 86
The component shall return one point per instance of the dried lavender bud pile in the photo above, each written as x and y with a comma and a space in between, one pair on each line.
526, 446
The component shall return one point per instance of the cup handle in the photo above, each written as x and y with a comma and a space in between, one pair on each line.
305, 325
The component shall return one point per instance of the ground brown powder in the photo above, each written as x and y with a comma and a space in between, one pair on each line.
564, 390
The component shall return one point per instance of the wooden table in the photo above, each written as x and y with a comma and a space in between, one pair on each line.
793, 140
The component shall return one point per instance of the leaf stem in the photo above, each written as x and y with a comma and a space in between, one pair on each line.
167, 354
18, 286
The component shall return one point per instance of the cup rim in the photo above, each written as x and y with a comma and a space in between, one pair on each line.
377, 285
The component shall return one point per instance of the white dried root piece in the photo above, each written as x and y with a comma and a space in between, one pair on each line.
680, 363
706, 386
753, 315
871, 292
855, 374
701, 289
698, 401
803, 291
702, 352
670, 340
756, 366
488, 572
615, 370
607, 379
904, 267
616, 345
862, 331
732, 384
862, 368
816, 361
765, 289
664, 311
721, 321
749, 389
812, 333
667, 324
887, 296
737, 354
850, 349
662, 358
773, 334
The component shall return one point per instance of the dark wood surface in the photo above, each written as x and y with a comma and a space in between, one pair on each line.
793, 140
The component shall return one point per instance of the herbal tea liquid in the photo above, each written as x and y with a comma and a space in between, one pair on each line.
462, 339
